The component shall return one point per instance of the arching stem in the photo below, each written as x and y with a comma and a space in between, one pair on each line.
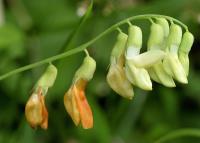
87, 44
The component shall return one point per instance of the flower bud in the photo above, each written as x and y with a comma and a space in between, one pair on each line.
116, 77
184, 50
171, 63
75, 101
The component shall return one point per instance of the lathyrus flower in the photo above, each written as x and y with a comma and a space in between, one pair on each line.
184, 49
171, 62
136, 63
75, 101
137, 76
157, 41
35, 110
116, 77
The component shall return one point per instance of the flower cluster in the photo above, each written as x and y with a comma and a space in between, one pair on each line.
165, 60
75, 100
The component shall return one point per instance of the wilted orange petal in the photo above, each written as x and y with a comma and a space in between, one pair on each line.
84, 109
44, 123
35, 110
71, 105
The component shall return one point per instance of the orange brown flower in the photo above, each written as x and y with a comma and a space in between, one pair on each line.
35, 110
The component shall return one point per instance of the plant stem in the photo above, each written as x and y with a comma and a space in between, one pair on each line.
1, 13
179, 133
84, 46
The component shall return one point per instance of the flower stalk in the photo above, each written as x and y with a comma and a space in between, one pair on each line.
87, 44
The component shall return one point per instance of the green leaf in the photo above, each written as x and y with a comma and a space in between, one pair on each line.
69, 42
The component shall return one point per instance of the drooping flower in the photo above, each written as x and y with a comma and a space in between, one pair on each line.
136, 63
35, 110
116, 77
137, 76
157, 40
184, 49
75, 101
171, 62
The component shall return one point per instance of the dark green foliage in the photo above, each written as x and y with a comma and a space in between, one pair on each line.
37, 29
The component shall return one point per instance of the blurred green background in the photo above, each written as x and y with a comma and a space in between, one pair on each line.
31, 30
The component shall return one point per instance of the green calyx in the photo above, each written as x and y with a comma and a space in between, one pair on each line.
119, 47
46, 80
163, 22
134, 37
175, 36
156, 37
86, 70
186, 43
48, 77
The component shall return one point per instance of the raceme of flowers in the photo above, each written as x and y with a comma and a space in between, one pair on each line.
165, 61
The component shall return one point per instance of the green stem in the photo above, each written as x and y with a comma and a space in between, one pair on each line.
1, 13
179, 133
84, 46
86, 52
